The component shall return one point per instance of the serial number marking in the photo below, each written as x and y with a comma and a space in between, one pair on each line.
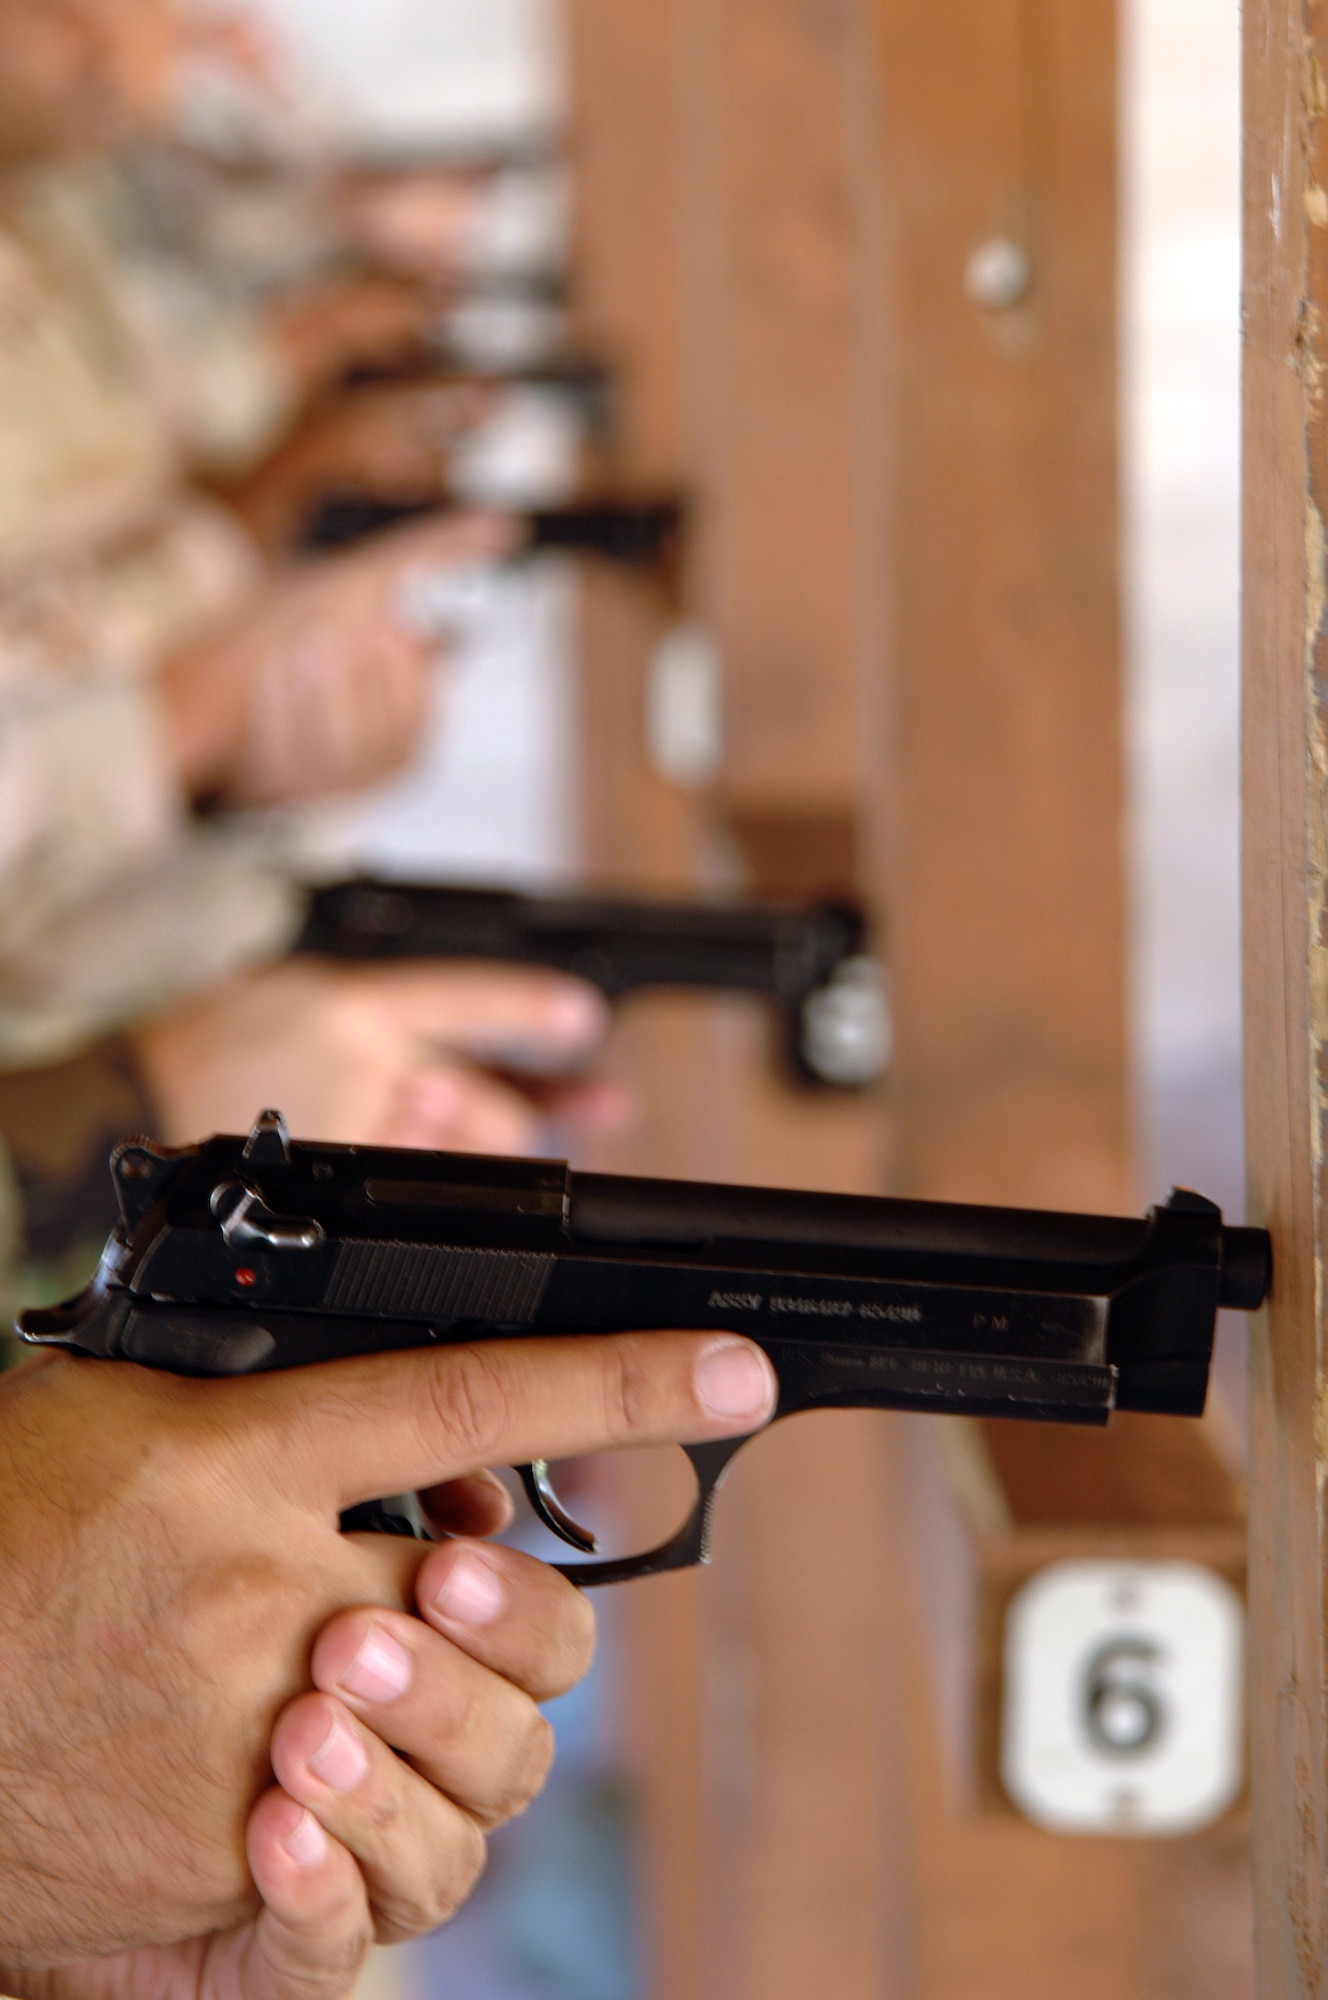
960, 1368
823, 1308
829, 1308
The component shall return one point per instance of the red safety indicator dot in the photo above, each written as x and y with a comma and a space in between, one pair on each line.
244, 1276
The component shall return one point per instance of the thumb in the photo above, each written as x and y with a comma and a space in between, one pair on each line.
314, 1931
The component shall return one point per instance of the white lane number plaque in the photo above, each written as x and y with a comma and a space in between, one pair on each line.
1123, 1698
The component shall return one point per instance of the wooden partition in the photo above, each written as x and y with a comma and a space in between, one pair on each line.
760, 1694
1005, 788
1286, 870
858, 260
1005, 854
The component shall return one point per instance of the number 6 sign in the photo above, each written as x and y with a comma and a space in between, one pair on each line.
1123, 1697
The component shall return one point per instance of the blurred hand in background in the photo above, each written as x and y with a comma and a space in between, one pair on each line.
470, 1058
320, 684
373, 318
420, 223
390, 441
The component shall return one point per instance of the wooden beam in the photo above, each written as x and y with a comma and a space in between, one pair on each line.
761, 1693
1005, 794
774, 1720
774, 213
1286, 1023
1005, 848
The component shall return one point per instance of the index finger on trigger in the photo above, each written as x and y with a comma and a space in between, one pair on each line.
350, 1431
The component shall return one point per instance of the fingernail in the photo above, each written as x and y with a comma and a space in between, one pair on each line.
380, 1671
470, 1594
341, 1761
306, 1843
735, 1381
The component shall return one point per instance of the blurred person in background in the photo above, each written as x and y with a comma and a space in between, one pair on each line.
161, 694
263, 272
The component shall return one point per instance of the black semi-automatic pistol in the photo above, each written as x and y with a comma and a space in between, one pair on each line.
810, 962
635, 532
242, 1255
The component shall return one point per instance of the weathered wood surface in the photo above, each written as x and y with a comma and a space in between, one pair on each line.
947, 676
760, 1693
1005, 853
774, 214
1005, 793
1286, 880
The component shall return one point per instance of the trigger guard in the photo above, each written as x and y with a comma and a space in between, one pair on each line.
690, 1547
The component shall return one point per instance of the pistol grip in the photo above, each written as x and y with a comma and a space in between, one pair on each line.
399, 1515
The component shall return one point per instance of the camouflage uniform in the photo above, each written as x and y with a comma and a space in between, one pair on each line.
113, 900
195, 295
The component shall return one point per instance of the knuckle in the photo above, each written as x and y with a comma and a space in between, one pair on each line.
469, 1864
380, 1812
629, 1391
568, 1659
340, 1959
461, 1715
465, 1866
560, 1642
444, 1884
537, 1764
531, 1761
468, 1409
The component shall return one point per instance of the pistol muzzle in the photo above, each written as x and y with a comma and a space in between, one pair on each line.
1247, 1269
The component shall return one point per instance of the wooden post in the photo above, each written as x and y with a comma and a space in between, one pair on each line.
1005, 849
1007, 893
1286, 1022
1005, 792
973, 707
761, 1692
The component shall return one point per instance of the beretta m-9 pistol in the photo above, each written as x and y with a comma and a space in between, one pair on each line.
241, 1255
809, 961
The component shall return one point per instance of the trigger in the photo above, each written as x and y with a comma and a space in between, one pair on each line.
540, 1493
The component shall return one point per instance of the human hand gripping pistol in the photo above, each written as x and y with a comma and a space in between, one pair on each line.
241, 1255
